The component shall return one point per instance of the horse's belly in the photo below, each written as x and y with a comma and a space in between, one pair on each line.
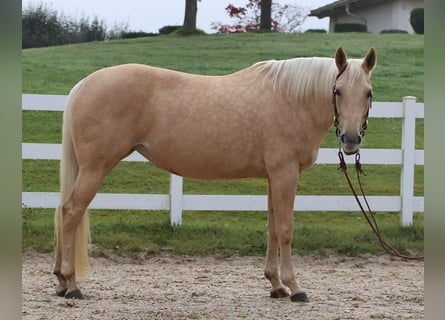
215, 171
201, 162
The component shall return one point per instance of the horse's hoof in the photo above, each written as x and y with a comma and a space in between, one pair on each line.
61, 293
75, 294
299, 297
279, 293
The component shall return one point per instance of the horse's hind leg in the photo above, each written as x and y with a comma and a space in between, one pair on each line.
271, 265
61, 288
73, 209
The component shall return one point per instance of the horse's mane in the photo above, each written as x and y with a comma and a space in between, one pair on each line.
301, 79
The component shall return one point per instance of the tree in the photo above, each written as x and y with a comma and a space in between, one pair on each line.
191, 10
266, 15
40, 27
189, 26
43, 26
283, 18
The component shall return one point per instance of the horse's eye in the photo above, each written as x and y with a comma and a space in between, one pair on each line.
369, 95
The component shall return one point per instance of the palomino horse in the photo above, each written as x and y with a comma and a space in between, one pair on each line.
265, 121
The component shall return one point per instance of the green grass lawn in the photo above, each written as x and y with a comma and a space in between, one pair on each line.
399, 71
227, 233
55, 70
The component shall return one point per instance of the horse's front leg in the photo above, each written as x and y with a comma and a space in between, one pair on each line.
271, 266
282, 189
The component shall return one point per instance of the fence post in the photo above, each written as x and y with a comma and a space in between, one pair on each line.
175, 200
408, 159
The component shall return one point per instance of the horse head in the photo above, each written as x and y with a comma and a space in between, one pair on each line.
352, 96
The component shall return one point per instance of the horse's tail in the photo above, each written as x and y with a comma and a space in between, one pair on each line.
68, 173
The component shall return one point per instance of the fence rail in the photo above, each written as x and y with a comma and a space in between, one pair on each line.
176, 201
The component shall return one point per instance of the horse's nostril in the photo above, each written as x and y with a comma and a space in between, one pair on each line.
359, 139
342, 138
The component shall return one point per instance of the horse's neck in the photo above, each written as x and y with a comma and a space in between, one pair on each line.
322, 117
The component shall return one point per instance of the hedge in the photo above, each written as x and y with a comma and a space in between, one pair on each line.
350, 27
417, 20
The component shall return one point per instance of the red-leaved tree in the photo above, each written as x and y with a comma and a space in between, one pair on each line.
285, 18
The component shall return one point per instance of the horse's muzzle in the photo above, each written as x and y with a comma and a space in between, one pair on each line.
350, 143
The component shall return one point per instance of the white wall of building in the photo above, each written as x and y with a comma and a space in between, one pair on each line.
381, 16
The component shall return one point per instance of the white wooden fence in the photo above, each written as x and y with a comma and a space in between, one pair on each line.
176, 201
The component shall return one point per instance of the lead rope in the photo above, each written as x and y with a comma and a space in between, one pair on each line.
369, 215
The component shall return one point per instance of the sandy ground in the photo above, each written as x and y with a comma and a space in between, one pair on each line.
163, 287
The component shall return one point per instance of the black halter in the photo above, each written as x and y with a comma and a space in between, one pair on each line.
334, 101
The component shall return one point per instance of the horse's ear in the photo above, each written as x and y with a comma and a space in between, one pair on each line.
370, 60
341, 60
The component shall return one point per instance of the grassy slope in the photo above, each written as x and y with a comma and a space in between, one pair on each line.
55, 70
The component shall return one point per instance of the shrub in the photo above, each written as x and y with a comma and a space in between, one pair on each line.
183, 32
417, 20
43, 26
393, 31
137, 34
168, 29
350, 27
315, 31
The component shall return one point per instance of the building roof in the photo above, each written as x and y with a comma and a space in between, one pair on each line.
339, 6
